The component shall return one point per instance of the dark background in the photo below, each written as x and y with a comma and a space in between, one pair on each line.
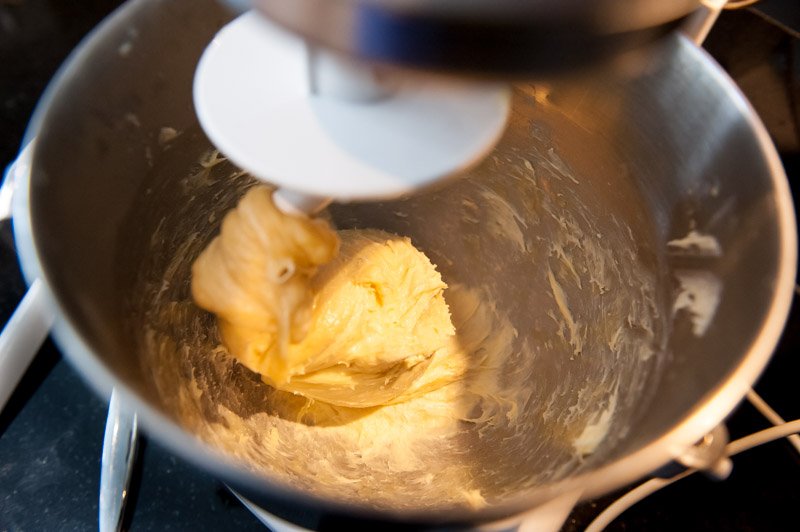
51, 432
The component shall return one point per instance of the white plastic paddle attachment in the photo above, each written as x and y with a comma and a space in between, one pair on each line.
318, 124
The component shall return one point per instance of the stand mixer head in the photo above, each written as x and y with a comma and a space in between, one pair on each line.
354, 105
322, 125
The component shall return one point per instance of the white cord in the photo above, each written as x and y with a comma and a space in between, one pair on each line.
632, 497
771, 415
763, 436
651, 486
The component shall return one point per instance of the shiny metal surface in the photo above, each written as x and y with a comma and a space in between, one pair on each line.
116, 465
496, 37
108, 208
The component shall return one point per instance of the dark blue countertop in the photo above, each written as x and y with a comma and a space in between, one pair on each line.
51, 433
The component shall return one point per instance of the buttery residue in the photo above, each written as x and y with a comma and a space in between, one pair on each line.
560, 298
167, 135
697, 244
699, 294
597, 428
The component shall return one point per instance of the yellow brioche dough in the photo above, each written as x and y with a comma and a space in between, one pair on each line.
355, 320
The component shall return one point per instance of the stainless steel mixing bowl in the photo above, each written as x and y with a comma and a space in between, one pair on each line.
638, 235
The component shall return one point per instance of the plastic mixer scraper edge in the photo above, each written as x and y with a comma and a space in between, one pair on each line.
320, 126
